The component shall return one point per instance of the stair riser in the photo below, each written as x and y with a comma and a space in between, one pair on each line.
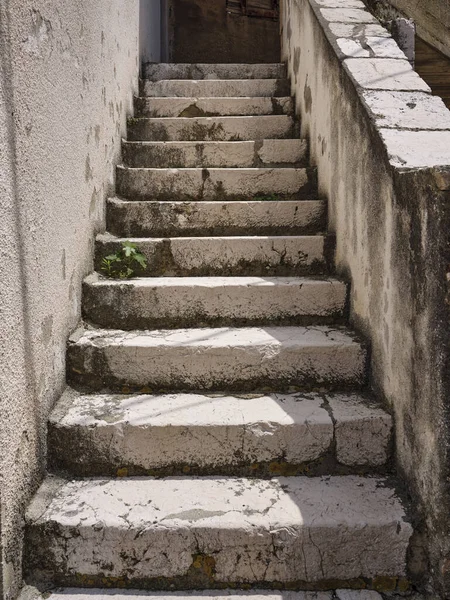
212, 128
216, 184
287, 539
241, 368
212, 107
156, 72
262, 153
178, 219
219, 89
224, 256
189, 433
133, 306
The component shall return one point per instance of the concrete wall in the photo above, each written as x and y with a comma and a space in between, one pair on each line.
67, 75
385, 173
203, 32
150, 30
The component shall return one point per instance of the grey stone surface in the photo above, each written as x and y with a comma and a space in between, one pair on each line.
215, 183
369, 47
182, 301
252, 217
101, 434
156, 72
212, 128
261, 153
209, 107
404, 32
407, 110
358, 595
417, 149
119, 594
238, 255
358, 32
216, 88
362, 431
348, 15
341, 4
217, 359
385, 74
283, 530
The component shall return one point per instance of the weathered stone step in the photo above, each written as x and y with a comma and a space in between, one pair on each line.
202, 532
156, 72
231, 88
260, 256
176, 434
192, 154
216, 184
177, 219
168, 302
232, 359
212, 107
212, 128
31, 593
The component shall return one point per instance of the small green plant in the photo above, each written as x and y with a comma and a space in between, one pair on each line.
120, 264
267, 198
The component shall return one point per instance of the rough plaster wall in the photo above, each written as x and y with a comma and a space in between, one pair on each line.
391, 240
67, 75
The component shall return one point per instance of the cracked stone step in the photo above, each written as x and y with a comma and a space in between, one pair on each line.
159, 71
212, 107
227, 358
120, 594
30, 593
216, 184
212, 128
210, 88
222, 256
179, 219
168, 302
175, 434
191, 154
197, 533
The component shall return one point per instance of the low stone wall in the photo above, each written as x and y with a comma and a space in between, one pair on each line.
67, 75
382, 146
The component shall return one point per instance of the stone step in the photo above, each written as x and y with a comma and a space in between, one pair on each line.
192, 154
179, 219
215, 88
158, 71
212, 107
224, 359
208, 256
31, 593
176, 434
172, 302
212, 128
216, 184
197, 533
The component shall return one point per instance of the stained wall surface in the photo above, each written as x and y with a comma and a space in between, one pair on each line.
382, 146
67, 75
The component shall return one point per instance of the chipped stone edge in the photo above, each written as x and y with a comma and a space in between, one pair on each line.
440, 173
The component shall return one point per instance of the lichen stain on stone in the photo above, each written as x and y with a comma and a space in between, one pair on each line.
307, 96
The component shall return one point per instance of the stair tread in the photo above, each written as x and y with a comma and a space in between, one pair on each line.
160, 526
219, 433
214, 281
121, 594
222, 337
195, 71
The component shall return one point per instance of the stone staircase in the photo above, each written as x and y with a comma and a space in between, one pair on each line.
217, 432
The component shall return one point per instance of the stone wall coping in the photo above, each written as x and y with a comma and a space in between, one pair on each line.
413, 125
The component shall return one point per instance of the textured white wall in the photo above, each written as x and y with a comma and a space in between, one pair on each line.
67, 75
